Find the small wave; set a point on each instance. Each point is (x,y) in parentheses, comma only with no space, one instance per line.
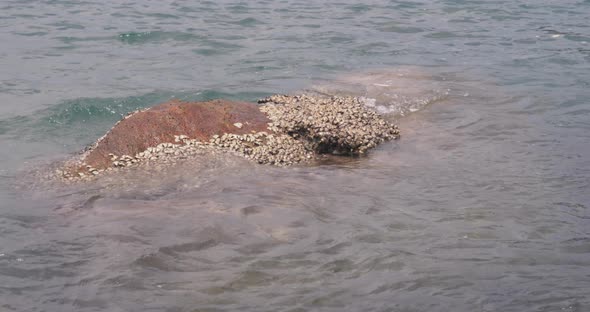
(249,22)
(402,29)
(359,8)
(156,36)
(395,92)
(400,105)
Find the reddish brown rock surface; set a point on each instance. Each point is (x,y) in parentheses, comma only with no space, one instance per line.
(159,124)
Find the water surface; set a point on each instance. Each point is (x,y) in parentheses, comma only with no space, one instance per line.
(482,205)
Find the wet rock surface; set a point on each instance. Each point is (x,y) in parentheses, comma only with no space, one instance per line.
(282,130)
(160,124)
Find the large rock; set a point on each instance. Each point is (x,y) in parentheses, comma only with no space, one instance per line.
(159,124)
(283,130)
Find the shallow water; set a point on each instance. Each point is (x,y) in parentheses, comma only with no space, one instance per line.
(483,204)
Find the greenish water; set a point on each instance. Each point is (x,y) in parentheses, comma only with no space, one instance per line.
(482,205)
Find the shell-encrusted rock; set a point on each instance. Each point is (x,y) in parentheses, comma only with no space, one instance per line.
(148,128)
(285,130)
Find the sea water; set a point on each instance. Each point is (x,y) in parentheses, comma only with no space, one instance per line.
(482,205)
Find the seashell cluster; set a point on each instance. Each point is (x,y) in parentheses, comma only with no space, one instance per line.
(264,148)
(338,125)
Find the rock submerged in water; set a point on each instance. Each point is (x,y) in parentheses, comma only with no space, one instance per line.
(282,130)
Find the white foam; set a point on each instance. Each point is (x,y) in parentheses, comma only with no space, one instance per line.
(370,102)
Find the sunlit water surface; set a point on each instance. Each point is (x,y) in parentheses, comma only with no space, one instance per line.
(483,205)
